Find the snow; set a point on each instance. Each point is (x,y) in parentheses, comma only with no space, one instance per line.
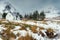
(2,28)
(19,21)
(37,37)
(43,31)
(49,24)
(31,23)
(17,27)
(1,39)
(37,29)
(21,32)
(50,11)
(58,39)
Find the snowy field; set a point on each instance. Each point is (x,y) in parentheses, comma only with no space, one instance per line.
(29,30)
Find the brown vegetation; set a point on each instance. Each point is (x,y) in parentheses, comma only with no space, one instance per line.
(41,28)
(50,33)
(27,37)
(33,29)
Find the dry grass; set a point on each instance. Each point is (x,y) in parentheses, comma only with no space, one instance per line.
(22,28)
(33,29)
(7,34)
(50,30)
(50,33)
(41,28)
(27,37)
(11,25)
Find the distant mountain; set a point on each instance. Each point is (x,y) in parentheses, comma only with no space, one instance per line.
(56,18)
(3,5)
(51,11)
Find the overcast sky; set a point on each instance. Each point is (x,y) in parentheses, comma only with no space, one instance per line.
(26,6)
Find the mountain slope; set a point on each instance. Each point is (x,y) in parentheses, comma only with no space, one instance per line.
(51,11)
(3,4)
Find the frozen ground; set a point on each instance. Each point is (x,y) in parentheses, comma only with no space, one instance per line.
(48,24)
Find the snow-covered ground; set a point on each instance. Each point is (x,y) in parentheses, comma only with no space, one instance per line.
(48,24)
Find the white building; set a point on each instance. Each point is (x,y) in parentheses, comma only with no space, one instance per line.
(12,16)
(9,16)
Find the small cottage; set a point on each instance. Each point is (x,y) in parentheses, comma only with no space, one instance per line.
(12,16)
